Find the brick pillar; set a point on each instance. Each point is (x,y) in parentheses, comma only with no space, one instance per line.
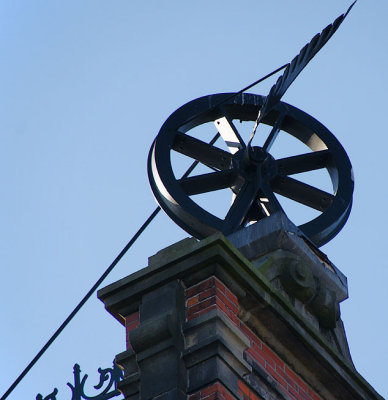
(204,322)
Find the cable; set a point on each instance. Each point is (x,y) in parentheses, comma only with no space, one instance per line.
(95,286)
(121,254)
(240,91)
(81,303)
(253,84)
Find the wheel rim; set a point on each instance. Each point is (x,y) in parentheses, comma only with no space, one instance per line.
(254,175)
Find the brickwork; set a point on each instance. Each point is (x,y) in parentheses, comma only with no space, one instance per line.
(212,293)
(132,321)
(216,391)
(197,340)
(246,393)
(208,295)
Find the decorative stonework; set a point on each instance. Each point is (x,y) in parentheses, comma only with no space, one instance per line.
(296,279)
(299,272)
(203,321)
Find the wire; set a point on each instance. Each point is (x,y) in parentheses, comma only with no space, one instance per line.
(95,286)
(233,95)
(81,303)
(122,253)
(253,84)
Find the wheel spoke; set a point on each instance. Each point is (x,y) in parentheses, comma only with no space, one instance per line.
(240,207)
(268,200)
(303,162)
(274,133)
(256,211)
(229,133)
(302,193)
(208,182)
(265,204)
(201,151)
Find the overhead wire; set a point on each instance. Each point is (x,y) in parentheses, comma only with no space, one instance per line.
(123,251)
(81,303)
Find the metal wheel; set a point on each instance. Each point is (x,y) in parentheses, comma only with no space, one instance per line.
(252,175)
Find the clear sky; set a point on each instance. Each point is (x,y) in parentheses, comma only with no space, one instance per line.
(85,87)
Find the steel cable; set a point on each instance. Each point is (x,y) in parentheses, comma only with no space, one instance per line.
(121,254)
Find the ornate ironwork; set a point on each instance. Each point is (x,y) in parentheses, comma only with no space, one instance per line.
(298,64)
(51,396)
(110,376)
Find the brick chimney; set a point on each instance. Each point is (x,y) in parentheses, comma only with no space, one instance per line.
(254,316)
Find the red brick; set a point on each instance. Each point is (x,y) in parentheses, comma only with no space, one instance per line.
(206,310)
(200,310)
(276,376)
(271,357)
(267,356)
(195,315)
(128,328)
(224,393)
(208,390)
(289,380)
(303,395)
(249,333)
(232,297)
(192,300)
(132,317)
(215,391)
(243,388)
(219,285)
(227,396)
(206,284)
(195,396)
(293,392)
(233,317)
(256,357)
(227,312)
(132,326)
(202,297)
(192,291)
(208,302)
(207,293)
(296,379)
(220,304)
(200,287)
(253,396)
(202,305)
(246,392)
(194,309)
(227,302)
(257,345)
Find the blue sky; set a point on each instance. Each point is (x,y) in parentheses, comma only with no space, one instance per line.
(85,87)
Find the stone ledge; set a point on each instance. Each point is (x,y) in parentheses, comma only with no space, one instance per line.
(263,308)
(211,330)
(129,386)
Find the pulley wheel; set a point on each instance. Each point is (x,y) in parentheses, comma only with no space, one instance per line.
(254,179)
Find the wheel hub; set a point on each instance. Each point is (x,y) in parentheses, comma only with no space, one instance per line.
(254,163)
